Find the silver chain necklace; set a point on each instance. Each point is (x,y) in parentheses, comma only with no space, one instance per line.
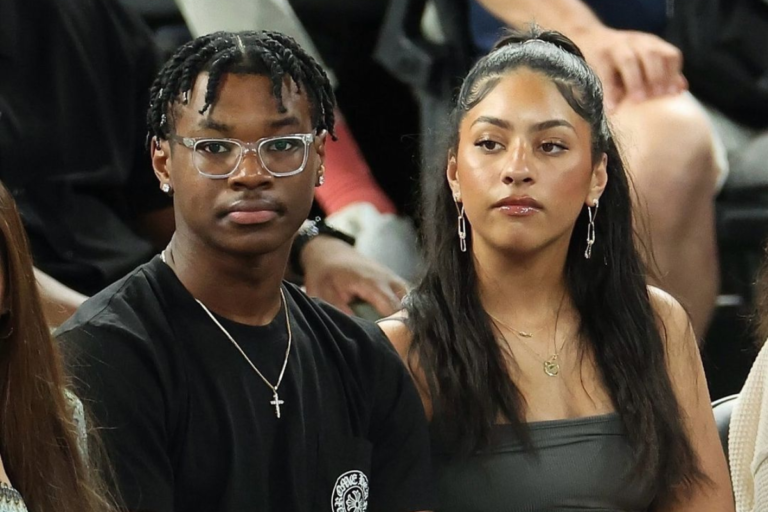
(276,402)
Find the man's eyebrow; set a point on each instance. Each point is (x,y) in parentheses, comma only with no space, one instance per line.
(501,123)
(284,121)
(211,124)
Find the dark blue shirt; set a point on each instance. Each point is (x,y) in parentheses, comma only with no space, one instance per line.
(642,15)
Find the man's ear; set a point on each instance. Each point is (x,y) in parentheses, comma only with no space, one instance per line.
(319,142)
(161,152)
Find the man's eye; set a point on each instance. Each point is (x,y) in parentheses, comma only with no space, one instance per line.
(215,148)
(281,145)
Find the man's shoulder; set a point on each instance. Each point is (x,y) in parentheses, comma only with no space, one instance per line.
(347,332)
(125,308)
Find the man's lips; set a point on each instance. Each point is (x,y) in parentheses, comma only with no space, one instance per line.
(257,211)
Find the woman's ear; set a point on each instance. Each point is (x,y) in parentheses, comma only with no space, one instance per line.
(599,180)
(452,174)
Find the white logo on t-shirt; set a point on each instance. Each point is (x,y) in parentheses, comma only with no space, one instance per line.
(350,493)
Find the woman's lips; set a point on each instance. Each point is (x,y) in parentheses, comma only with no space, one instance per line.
(518,210)
(522,206)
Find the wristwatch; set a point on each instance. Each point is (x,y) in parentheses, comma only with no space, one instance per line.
(308,231)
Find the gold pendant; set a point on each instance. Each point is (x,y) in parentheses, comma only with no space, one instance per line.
(551,366)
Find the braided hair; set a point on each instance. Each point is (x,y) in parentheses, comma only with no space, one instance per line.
(252,52)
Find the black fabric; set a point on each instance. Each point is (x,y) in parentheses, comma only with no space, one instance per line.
(73,97)
(189,426)
(724,45)
(584,464)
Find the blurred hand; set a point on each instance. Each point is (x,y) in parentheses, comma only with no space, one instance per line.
(337,273)
(633,66)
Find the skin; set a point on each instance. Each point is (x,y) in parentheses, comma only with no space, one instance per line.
(642,77)
(244,262)
(520,261)
(633,66)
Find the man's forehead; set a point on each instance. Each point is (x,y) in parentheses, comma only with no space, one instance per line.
(211,122)
(241,97)
(246,81)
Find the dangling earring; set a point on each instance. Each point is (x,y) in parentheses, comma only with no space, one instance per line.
(320,180)
(462,231)
(462,225)
(591,230)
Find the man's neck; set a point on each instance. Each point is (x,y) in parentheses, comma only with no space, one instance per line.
(241,288)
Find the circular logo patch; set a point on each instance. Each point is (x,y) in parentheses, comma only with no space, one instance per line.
(350,493)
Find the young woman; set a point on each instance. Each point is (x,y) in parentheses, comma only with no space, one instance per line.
(555,378)
(43,462)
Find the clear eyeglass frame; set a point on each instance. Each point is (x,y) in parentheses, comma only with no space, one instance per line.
(255,147)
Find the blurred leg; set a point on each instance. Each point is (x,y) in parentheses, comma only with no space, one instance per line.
(668,147)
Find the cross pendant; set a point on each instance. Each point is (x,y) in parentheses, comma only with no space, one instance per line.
(277,403)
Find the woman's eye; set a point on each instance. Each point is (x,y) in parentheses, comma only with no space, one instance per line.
(552,147)
(488,145)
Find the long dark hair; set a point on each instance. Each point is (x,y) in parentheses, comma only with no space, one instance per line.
(39,441)
(453,337)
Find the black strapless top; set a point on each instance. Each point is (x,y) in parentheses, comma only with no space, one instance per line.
(577,464)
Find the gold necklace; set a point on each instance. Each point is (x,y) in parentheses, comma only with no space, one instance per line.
(276,402)
(551,365)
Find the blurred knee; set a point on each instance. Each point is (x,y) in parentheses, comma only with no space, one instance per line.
(671,157)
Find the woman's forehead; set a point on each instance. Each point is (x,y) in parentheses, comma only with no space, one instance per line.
(523,96)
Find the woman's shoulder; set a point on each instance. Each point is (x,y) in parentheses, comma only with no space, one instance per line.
(396,329)
(672,318)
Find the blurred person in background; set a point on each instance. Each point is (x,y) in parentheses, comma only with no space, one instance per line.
(44,446)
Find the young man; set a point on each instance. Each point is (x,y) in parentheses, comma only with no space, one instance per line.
(217,386)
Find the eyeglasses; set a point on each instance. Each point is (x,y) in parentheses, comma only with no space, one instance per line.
(280,156)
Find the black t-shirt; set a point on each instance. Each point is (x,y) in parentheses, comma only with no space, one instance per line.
(189,425)
(73,100)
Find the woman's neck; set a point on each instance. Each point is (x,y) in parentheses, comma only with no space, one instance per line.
(523,290)
(245,289)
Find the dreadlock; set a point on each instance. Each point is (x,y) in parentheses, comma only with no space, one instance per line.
(253,52)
